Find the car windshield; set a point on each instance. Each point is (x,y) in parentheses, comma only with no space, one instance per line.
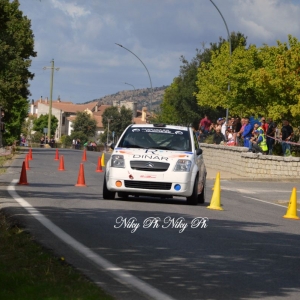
(156,138)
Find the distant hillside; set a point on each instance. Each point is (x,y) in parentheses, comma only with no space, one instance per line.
(141,96)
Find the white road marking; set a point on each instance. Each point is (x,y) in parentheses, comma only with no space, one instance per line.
(266,202)
(256,191)
(118,273)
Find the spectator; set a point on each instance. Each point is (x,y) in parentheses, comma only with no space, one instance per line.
(23,141)
(238,124)
(247,132)
(253,139)
(93,146)
(42,142)
(256,126)
(218,137)
(236,130)
(205,124)
(52,142)
(222,125)
(264,125)
(224,128)
(77,146)
(231,124)
(271,131)
(230,138)
(286,134)
(201,136)
(219,123)
(259,144)
(212,128)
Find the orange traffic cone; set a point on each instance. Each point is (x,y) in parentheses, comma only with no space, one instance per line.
(291,212)
(23,176)
(27,162)
(30,154)
(99,166)
(56,155)
(84,155)
(61,164)
(81,180)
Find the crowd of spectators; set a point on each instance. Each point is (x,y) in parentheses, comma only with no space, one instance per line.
(90,146)
(259,136)
(46,141)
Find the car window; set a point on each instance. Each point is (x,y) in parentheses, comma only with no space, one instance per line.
(156,138)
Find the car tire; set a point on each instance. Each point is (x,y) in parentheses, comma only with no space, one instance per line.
(201,197)
(106,193)
(193,199)
(123,195)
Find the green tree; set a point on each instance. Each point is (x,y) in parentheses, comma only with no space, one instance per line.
(27,126)
(42,122)
(16,48)
(213,78)
(118,121)
(180,105)
(263,80)
(279,79)
(78,135)
(85,123)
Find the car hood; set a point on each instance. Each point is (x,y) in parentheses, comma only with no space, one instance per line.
(152,154)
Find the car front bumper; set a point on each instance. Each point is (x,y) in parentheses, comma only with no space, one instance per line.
(152,183)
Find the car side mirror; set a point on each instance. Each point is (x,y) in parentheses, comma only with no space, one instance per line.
(199,152)
(112,146)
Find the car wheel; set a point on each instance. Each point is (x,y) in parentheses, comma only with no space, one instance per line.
(201,197)
(193,199)
(106,193)
(123,195)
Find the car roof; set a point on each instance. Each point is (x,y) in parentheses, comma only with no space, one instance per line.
(165,126)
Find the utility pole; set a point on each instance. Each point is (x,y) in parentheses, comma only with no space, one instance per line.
(50,100)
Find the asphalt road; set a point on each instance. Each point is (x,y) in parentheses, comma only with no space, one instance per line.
(247,251)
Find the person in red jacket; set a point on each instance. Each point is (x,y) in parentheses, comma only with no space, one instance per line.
(204,124)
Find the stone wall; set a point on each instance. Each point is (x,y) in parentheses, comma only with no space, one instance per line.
(239,161)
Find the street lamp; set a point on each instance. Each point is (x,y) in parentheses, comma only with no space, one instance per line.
(146,70)
(229,41)
(132,86)
(108,120)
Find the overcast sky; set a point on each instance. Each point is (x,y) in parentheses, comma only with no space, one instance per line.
(80,36)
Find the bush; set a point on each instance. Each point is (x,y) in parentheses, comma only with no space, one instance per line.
(66,141)
(79,135)
(36,138)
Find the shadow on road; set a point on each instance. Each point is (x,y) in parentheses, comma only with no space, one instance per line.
(226,260)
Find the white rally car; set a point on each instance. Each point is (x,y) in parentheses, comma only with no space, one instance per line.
(156,160)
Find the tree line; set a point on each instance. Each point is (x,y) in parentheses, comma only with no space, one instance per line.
(263,81)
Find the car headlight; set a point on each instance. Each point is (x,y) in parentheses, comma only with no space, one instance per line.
(183,165)
(117,161)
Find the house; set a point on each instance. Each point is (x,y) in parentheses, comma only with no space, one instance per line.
(65,112)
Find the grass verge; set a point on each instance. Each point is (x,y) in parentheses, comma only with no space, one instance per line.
(28,271)
(3,160)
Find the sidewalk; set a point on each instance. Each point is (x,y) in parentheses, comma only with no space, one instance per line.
(224,175)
